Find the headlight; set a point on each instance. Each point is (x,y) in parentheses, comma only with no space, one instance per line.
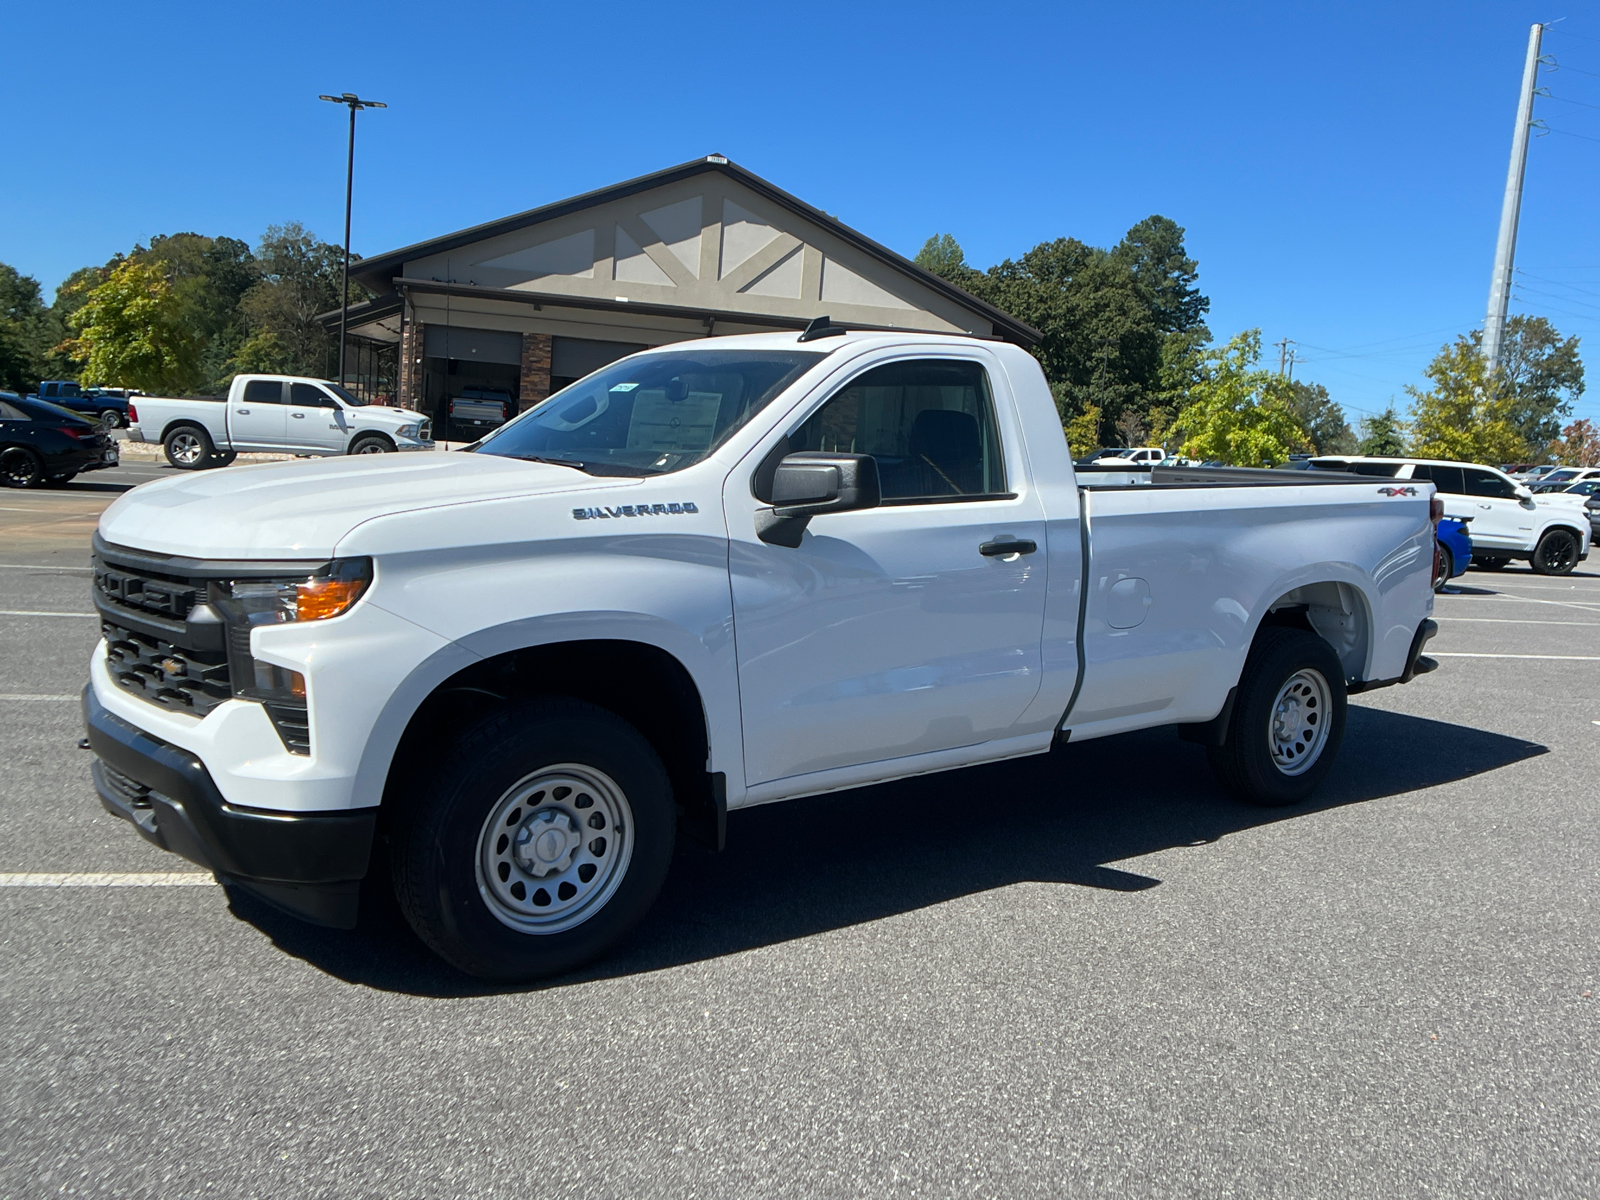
(316,597)
(407,431)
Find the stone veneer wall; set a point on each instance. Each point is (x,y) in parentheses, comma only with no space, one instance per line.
(412,340)
(535,370)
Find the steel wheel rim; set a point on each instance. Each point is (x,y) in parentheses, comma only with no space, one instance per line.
(185,448)
(1297,728)
(562,837)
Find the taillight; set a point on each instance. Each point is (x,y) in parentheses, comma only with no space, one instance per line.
(1435,508)
(133,414)
(69,431)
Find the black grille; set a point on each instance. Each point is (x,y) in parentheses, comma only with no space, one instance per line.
(192,681)
(130,791)
(143,592)
(293,726)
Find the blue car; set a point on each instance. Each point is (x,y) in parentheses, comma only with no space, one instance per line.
(1455,551)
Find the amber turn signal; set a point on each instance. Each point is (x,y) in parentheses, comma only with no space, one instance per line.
(319,599)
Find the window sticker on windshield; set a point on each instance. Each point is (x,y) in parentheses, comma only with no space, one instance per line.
(624,387)
(685,425)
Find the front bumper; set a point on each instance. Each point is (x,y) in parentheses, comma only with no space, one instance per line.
(412,444)
(309,864)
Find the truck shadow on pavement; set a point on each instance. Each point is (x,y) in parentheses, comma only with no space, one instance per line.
(808,866)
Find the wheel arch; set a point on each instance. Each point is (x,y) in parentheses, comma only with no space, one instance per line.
(639,681)
(186,423)
(1337,611)
(366,434)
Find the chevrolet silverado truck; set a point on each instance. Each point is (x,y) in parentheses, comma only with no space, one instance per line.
(277,413)
(712,575)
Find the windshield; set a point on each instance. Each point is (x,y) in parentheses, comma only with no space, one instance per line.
(349,398)
(651,413)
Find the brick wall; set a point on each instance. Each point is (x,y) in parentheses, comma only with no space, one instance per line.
(411,343)
(535,370)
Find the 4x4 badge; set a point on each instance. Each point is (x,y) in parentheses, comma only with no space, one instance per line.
(1397,491)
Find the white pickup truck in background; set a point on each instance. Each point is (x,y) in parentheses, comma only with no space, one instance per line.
(279,413)
(712,575)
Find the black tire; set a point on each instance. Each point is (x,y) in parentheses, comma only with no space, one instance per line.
(1246,763)
(224,457)
(20,468)
(1447,568)
(371,443)
(188,447)
(110,418)
(1557,553)
(1489,564)
(442,832)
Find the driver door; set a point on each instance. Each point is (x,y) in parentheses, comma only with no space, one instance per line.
(887,632)
(315,421)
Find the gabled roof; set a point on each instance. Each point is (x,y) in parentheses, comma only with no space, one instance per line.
(378,272)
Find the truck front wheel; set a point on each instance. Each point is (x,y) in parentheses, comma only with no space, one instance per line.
(188,447)
(540,841)
(1288,720)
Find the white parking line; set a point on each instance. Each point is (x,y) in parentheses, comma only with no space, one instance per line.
(101,880)
(1519,621)
(33,696)
(36,567)
(1551,658)
(22,612)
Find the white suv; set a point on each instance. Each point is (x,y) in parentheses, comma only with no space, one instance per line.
(1507,520)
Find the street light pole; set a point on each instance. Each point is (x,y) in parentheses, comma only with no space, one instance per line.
(355,103)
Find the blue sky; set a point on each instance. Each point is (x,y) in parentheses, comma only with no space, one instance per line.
(1338,167)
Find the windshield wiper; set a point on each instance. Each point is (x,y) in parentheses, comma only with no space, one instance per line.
(588,468)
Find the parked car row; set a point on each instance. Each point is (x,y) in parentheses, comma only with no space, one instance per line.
(1551,532)
(44,443)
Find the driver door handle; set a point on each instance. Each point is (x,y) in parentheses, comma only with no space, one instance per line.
(1000,549)
(298,416)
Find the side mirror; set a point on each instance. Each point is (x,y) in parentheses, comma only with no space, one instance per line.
(1525,494)
(809,484)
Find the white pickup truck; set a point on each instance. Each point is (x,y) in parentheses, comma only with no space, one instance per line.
(280,413)
(708,576)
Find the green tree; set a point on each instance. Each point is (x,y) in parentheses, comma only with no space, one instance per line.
(300,278)
(1383,435)
(1463,417)
(133,332)
(943,255)
(1321,418)
(26,331)
(1239,412)
(1083,431)
(1540,373)
(1106,316)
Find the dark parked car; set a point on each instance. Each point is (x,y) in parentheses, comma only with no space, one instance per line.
(109,406)
(44,443)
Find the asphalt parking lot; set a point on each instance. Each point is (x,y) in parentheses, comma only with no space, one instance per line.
(1083,974)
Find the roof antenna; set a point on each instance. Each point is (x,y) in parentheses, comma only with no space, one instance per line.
(822,327)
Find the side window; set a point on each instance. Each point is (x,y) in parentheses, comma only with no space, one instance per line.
(306,395)
(11,413)
(929,423)
(1446,479)
(1482,483)
(263,391)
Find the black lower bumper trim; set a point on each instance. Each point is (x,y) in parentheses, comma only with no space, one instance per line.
(308,864)
(1417,663)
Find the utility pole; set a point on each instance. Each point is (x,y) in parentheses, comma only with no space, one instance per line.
(1285,356)
(1505,251)
(356,104)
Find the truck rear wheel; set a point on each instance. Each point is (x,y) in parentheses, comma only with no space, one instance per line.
(1288,720)
(188,447)
(540,842)
(1557,553)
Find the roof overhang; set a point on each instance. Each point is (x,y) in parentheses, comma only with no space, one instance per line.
(378,272)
